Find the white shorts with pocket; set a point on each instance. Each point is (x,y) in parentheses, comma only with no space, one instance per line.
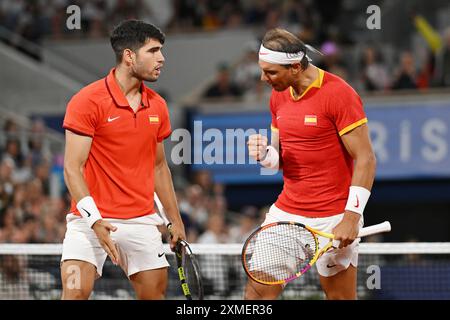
(138,241)
(332,261)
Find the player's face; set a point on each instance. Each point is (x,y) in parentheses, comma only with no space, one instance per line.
(148,61)
(279,77)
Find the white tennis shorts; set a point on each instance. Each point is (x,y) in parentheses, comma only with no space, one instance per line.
(138,241)
(334,260)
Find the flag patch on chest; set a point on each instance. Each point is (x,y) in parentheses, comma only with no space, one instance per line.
(153,119)
(310,120)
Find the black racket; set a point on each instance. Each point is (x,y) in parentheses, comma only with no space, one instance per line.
(187,266)
(188,272)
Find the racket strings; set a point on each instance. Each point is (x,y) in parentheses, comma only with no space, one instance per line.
(279,252)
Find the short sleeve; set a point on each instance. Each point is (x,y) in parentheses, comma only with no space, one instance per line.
(347,110)
(81,116)
(164,128)
(273,113)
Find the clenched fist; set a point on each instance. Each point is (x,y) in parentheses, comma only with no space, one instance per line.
(257,146)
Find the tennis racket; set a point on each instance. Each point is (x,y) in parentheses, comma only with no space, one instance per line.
(280,252)
(187,265)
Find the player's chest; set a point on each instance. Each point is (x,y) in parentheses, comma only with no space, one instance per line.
(119,124)
(303,120)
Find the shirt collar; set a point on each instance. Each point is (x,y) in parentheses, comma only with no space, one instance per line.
(317,83)
(117,94)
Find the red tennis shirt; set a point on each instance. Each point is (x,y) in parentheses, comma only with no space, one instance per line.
(119,171)
(317,169)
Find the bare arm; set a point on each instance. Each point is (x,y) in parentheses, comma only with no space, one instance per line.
(75,157)
(357,143)
(166,193)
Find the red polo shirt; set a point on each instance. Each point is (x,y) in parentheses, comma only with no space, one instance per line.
(317,169)
(119,171)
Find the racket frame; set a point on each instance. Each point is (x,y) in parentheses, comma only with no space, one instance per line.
(382,227)
(179,257)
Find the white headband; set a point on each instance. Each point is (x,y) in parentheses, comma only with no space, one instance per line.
(278,57)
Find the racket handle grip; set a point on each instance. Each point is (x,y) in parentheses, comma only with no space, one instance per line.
(376,228)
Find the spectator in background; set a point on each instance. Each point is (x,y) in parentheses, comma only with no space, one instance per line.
(248,221)
(223,86)
(331,61)
(31,229)
(18,203)
(218,205)
(13,152)
(425,77)
(10,129)
(216,230)
(444,62)
(11,230)
(35,197)
(6,184)
(203,179)
(247,73)
(14,278)
(42,173)
(194,205)
(94,13)
(374,71)
(405,77)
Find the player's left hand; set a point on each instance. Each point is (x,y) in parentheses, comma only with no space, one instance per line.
(347,230)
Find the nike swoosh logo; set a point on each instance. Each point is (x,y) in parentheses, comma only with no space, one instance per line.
(160,254)
(357,202)
(88,213)
(278,117)
(331,266)
(112,119)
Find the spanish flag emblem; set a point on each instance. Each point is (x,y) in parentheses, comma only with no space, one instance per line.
(310,120)
(153,119)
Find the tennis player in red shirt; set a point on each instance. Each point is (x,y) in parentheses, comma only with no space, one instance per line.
(320,139)
(114,162)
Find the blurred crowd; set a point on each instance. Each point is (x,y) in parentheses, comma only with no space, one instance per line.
(372,73)
(367,67)
(34,201)
(207,217)
(31,210)
(35,19)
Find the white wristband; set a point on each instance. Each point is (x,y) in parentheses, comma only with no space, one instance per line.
(272,158)
(88,210)
(357,199)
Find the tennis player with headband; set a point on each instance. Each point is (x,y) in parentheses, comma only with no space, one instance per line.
(320,140)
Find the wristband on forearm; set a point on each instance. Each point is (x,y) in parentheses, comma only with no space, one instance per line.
(357,199)
(88,210)
(271,159)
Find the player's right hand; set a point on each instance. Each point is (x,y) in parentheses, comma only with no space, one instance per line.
(177,233)
(102,229)
(257,146)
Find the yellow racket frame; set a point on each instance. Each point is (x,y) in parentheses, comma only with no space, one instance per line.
(319,251)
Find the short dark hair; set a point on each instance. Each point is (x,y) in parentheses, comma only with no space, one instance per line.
(132,34)
(282,40)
